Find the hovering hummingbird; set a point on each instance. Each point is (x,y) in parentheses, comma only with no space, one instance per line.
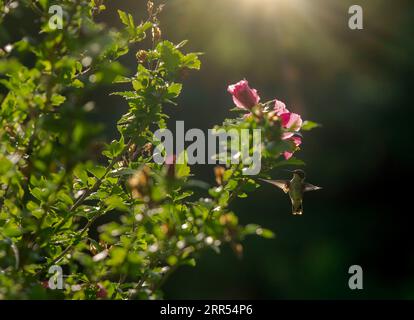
(295,188)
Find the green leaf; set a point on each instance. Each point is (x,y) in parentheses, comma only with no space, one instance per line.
(189,262)
(140,31)
(126,94)
(291,162)
(265,233)
(258,230)
(182,195)
(250,186)
(57,100)
(115,202)
(64,197)
(81,174)
(274,148)
(44,4)
(182,170)
(122,172)
(136,33)
(98,171)
(118,256)
(10,229)
(172,260)
(121,79)
(191,61)
(124,17)
(137,85)
(170,56)
(174,90)
(40,193)
(5,165)
(231,185)
(215,191)
(227,174)
(309,125)
(77,84)
(114,149)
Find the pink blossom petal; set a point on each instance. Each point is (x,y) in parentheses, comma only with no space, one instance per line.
(295,122)
(238,103)
(287,135)
(297,140)
(291,121)
(232,89)
(285,118)
(243,96)
(280,108)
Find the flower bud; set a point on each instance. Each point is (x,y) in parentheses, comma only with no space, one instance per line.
(243,96)
(142,56)
(226,219)
(147,149)
(132,148)
(156,34)
(101,293)
(150,7)
(93,249)
(139,183)
(219,173)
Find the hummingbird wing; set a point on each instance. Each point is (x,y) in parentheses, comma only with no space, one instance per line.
(310,187)
(281,184)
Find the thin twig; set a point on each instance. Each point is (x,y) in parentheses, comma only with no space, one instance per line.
(79,202)
(94,188)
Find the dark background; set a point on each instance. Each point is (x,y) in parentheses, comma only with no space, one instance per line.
(358,85)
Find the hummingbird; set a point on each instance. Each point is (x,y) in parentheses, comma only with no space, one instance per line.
(295,188)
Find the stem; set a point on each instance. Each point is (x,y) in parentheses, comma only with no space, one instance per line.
(78,203)
(94,188)
(66,250)
(233,194)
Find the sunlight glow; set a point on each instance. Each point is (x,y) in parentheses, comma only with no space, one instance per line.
(272,8)
(261,3)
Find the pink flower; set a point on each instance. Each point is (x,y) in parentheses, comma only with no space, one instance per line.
(280,108)
(243,96)
(297,141)
(290,120)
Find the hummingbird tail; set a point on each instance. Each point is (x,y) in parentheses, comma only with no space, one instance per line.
(298,210)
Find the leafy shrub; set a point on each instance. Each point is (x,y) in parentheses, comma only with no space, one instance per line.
(120,226)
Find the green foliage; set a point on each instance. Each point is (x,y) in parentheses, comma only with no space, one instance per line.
(309,125)
(121,227)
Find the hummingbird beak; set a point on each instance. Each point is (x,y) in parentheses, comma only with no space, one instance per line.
(290,171)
